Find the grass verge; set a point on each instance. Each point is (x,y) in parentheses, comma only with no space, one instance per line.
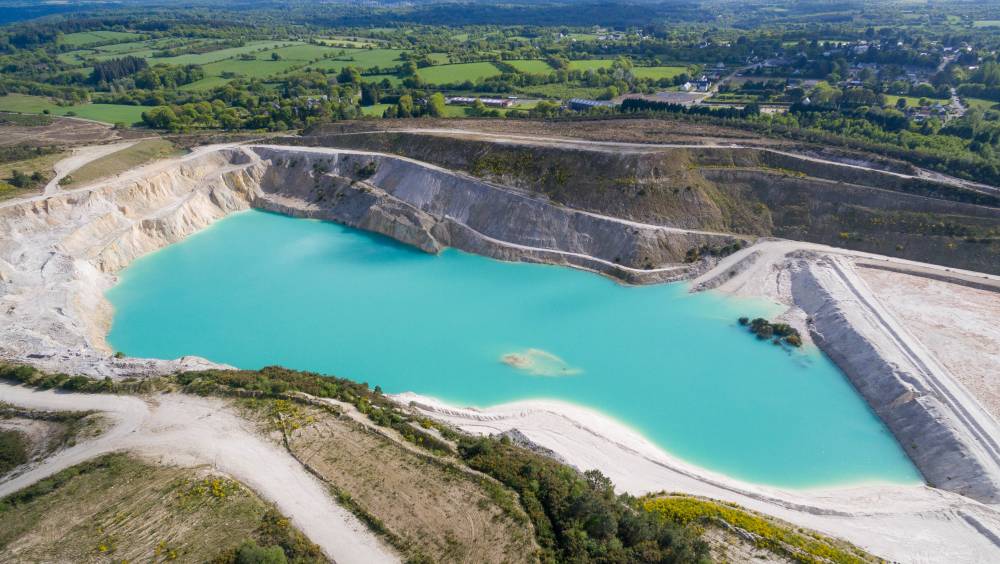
(141,153)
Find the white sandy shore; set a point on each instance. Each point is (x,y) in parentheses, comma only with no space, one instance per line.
(189,430)
(904,523)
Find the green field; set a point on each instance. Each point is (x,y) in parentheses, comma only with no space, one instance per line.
(456,111)
(393,79)
(986,23)
(207,83)
(531,66)
(439,58)
(356,43)
(590,64)
(91,37)
(262,68)
(580,37)
(108,113)
(362,59)
(375,110)
(451,74)
(658,73)
(911,101)
(303,52)
(980,103)
(221,54)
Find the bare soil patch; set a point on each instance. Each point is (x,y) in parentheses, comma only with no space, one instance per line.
(61,131)
(957,323)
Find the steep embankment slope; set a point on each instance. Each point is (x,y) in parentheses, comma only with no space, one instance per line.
(58,254)
(727,188)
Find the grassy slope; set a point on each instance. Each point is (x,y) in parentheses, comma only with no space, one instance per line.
(362,59)
(447,74)
(448,515)
(220,54)
(122,509)
(139,154)
(91,37)
(531,66)
(658,73)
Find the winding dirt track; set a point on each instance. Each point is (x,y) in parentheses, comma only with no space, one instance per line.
(188,430)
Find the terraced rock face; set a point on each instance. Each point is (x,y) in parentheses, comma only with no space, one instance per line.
(744,190)
(58,254)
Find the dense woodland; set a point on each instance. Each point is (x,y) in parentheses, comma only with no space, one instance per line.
(881,77)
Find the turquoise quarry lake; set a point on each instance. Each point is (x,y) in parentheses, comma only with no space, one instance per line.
(260,289)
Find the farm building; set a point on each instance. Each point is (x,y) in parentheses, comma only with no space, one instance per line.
(581,104)
(490,102)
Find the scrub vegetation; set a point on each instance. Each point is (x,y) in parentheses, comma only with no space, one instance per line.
(778,537)
(13,450)
(777,332)
(117,508)
(28,435)
(25,168)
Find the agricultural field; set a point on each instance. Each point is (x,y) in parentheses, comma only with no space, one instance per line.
(352,42)
(453,74)
(375,110)
(439,58)
(580,36)
(85,38)
(981,104)
(590,64)
(361,59)
(207,83)
(304,52)
(456,111)
(262,67)
(658,73)
(107,113)
(531,66)
(912,101)
(393,79)
(221,54)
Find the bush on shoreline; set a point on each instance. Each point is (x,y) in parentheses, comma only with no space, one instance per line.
(765,329)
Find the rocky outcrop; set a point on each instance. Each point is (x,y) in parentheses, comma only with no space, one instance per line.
(59,254)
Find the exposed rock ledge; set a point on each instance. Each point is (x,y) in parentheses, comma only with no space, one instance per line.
(59,254)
